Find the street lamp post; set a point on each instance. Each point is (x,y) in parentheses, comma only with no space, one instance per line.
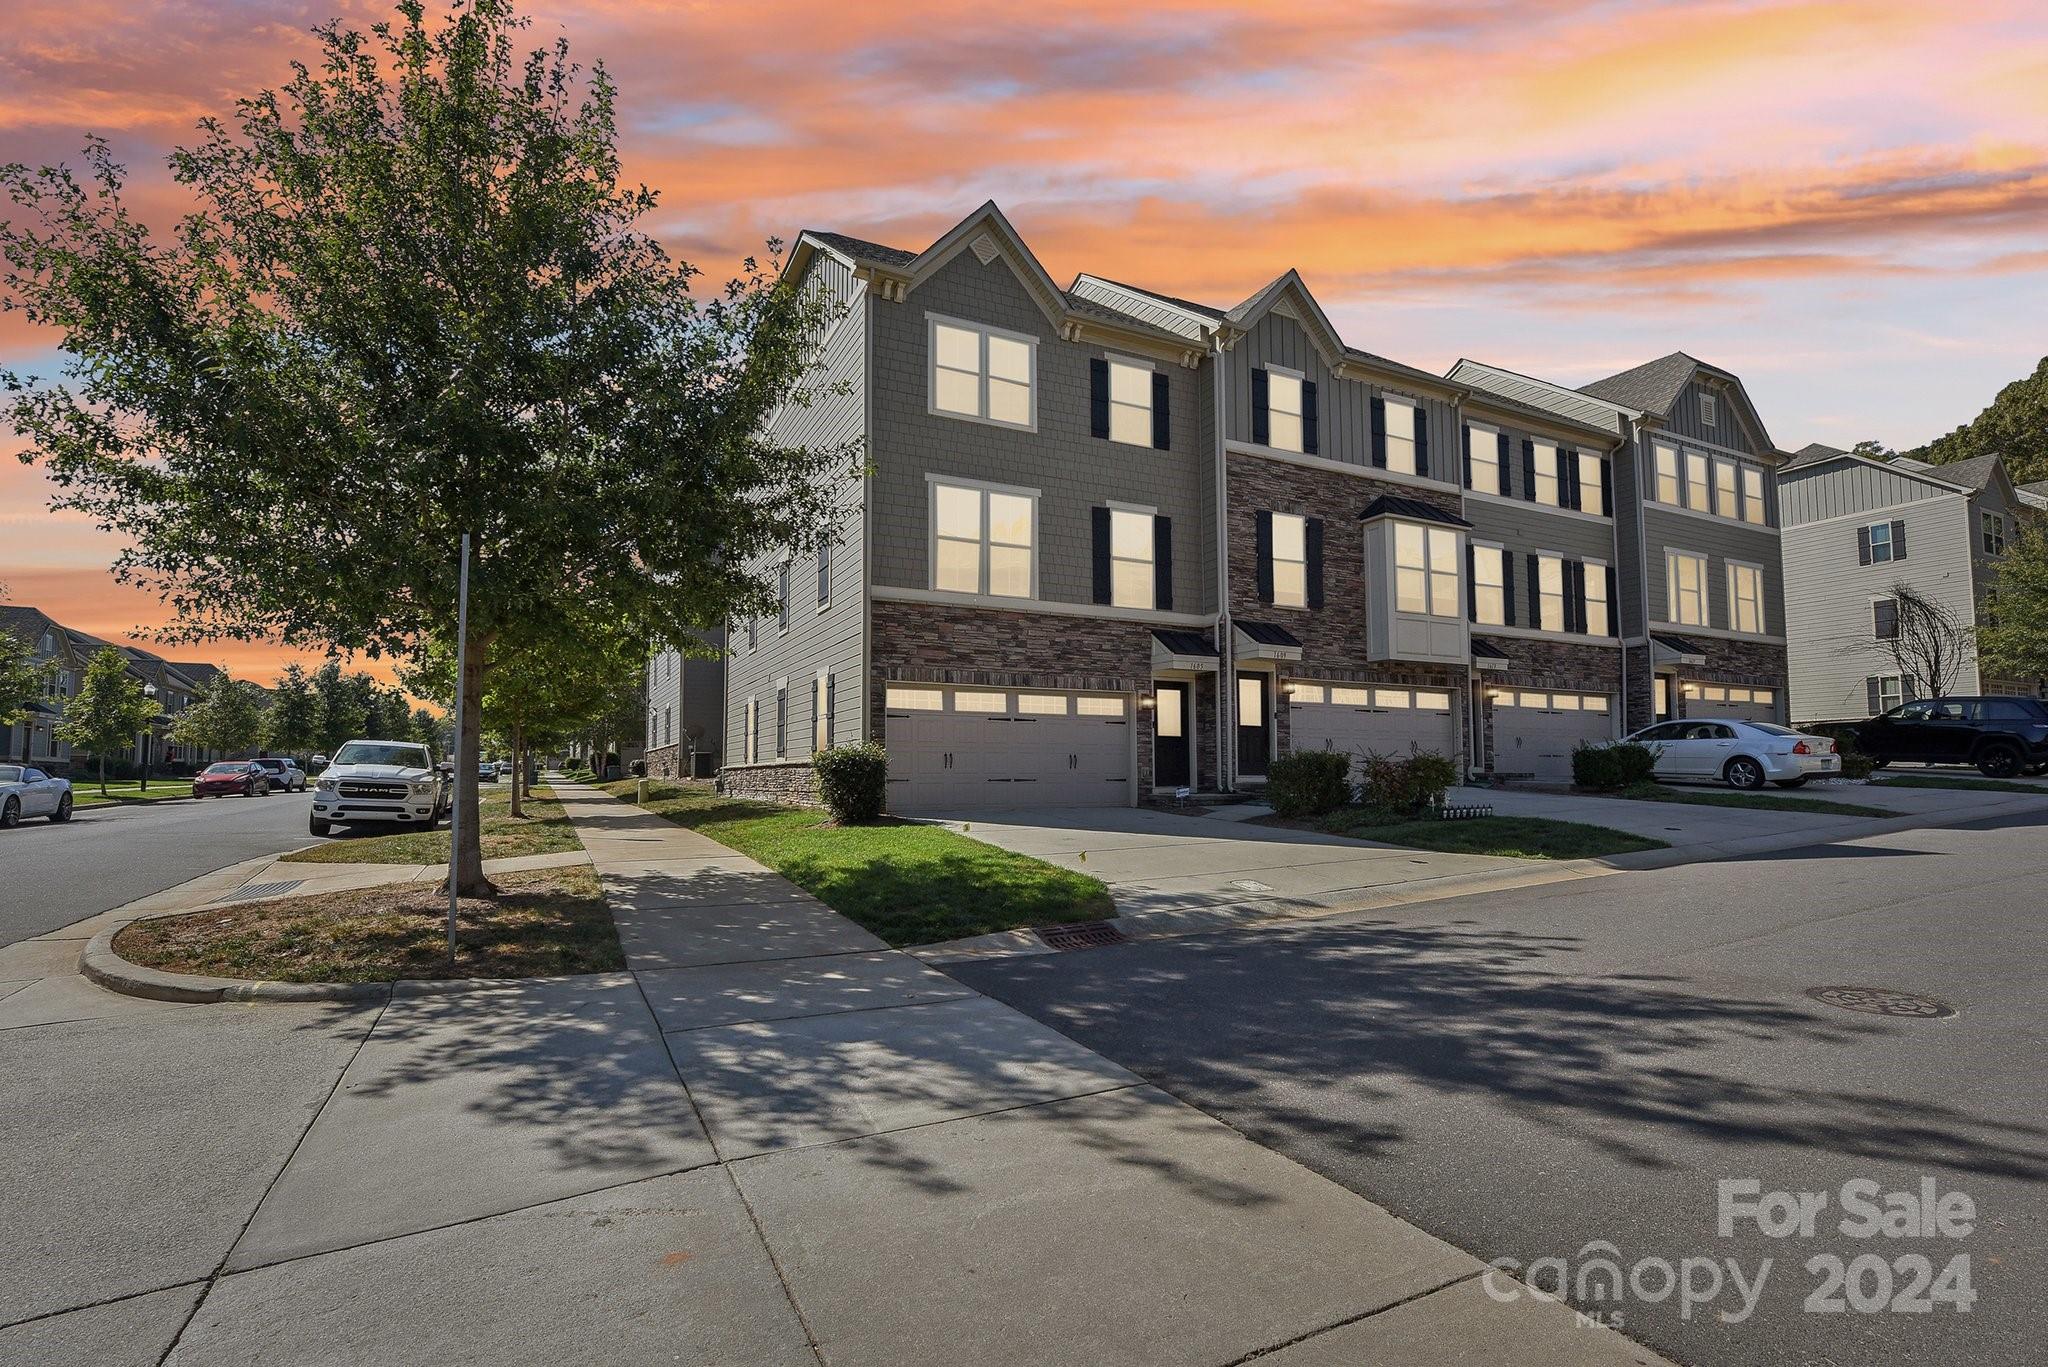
(148,735)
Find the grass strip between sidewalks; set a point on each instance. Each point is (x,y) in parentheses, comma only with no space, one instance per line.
(545,829)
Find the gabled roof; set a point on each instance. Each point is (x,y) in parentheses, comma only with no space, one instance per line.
(861,250)
(1540,396)
(1286,286)
(1414,509)
(1651,387)
(1813,453)
(26,622)
(1977,473)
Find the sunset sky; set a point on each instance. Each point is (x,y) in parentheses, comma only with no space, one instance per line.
(1842,202)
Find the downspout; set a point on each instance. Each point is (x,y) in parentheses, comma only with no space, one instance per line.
(1641,431)
(1226,690)
(1635,484)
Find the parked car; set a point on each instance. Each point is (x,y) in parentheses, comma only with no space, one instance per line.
(285,773)
(27,791)
(2001,736)
(244,776)
(316,763)
(487,772)
(1743,754)
(380,781)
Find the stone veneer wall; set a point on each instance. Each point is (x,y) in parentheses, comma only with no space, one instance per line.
(1561,666)
(1751,664)
(664,761)
(790,782)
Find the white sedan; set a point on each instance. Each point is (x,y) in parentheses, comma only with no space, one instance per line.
(27,791)
(1743,754)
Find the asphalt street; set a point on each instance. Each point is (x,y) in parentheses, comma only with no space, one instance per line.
(103,857)
(1530,1073)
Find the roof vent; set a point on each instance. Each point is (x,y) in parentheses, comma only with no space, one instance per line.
(1707,406)
(985,248)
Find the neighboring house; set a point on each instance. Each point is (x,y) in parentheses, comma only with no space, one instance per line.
(1855,529)
(685,693)
(68,650)
(1110,544)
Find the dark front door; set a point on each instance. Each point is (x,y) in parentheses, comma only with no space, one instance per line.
(1170,739)
(1254,725)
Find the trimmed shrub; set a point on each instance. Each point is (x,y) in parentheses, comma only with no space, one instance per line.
(1405,786)
(1309,782)
(1855,764)
(1611,768)
(853,781)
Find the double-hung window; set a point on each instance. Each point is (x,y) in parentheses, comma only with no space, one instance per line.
(1425,570)
(1882,551)
(1753,496)
(1592,482)
(1891,692)
(1401,418)
(1484,443)
(984,540)
(782,598)
(1727,496)
(1597,622)
(983,373)
(1545,489)
(1668,488)
(1698,494)
(1290,560)
(1130,403)
(1132,582)
(1283,410)
(1685,577)
(1745,598)
(1884,619)
(1550,592)
(825,570)
(1489,586)
(1993,525)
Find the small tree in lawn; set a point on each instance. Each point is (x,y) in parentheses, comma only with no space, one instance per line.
(2012,638)
(293,724)
(1928,643)
(412,302)
(227,716)
(107,712)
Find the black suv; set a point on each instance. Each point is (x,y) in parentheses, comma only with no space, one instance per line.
(2001,736)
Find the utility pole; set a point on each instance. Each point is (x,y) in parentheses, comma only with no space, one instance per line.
(455,805)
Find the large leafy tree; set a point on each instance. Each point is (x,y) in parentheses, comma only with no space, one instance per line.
(2012,640)
(108,712)
(227,716)
(412,302)
(293,724)
(2015,426)
(342,705)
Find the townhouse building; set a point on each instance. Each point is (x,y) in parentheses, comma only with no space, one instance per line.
(1858,532)
(64,652)
(685,712)
(1110,544)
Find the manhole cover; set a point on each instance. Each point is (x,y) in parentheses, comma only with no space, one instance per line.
(1090,935)
(249,892)
(1882,1001)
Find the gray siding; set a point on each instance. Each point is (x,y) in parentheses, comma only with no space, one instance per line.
(685,690)
(1073,471)
(828,637)
(1628,537)
(1815,493)
(1344,407)
(1720,541)
(1832,648)
(1527,527)
(1729,429)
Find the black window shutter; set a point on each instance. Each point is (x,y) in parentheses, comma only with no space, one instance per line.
(1098,397)
(1898,539)
(1500,454)
(825,570)
(1162,563)
(1871,693)
(1465,445)
(1379,431)
(1613,606)
(1262,538)
(1471,570)
(1101,517)
(1863,545)
(1507,587)
(1568,476)
(1529,469)
(1312,548)
(1421,440)
(831,706)
(1311,424)
(781,722)
(1162,434)
(1535,591)
(1262,427)
(1606,487)
(1575,596)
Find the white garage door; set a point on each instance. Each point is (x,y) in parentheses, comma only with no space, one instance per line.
(1357,720)
(955,748)
(1535,732)
(1729,703)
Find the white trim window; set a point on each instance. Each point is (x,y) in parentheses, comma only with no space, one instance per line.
(1489,586)
(1746,598)
(1546,458)
(984,540)
(1130,402)
(1993,528)
(1592,483)
(1669,490)
(1727,491)
(1891,692)
(1426,570)
(983,373)
(1484,443)
(1699,493)
(1597,623)
(1753,503)
(1283,409)
(1549,591)
(1881,549)
(1685,578)
(1401,417)
(1132,537)
(1290,560)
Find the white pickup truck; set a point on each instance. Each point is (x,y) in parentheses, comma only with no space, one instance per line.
(380,780)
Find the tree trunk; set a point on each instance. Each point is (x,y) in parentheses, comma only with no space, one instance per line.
(468,854)
(101,760)
(518,765)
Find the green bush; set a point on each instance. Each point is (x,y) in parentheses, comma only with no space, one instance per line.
(1309,782)
(1611,768)
(853,781)
(1855,764)
(1407,785)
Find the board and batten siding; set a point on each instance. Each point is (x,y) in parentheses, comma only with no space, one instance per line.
(1832,646)
(1841,488)
(1343,407)
(1073,471)
(1721,541)
(1728,431)
(830,638)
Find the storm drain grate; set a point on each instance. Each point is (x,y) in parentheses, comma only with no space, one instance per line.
(1089,935)
(252,891)
(1882,1001)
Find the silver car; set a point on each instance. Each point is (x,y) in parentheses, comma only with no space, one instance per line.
(1742,754)
(27,791)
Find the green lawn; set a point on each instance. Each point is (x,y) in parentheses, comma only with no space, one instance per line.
(543,830)
(910,884)
(1762,802)
(86,793)
(1513,837)
(1964,785)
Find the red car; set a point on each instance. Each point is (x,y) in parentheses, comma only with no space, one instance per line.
(235,776)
